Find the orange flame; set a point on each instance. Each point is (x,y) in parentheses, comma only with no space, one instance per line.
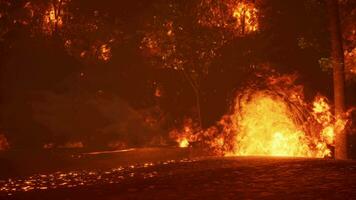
(185,136)
(273,121)
(267,127)
(52,19)
(236,16)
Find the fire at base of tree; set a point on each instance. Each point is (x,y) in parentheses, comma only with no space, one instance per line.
(270,117)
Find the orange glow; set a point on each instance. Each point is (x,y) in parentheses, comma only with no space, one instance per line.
(246,17)
(271,121)
(104,52)
(238,17)
(266,127)
(183,143)
(52,20)
(185,136)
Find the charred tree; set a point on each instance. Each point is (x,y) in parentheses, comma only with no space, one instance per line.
(337,61)
(195,86)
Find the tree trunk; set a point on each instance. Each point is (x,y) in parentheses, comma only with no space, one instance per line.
(196,90)
(337,60)
(197,95)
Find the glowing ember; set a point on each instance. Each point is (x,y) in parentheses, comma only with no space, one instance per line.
(53,17)
(72,179)
(105,52)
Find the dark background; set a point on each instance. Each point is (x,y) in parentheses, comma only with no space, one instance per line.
(51,96)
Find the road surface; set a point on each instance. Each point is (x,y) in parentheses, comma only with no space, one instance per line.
(195,178)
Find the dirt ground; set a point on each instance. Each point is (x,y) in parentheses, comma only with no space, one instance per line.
(218,178)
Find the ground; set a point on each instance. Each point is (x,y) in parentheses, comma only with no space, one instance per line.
(194,177)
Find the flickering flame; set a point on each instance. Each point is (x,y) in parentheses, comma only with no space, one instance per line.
(52,20)
(241,18)
(183,143)
(105,52)
(246,17)
(266,127)
(185,136)
(323,115)
(270,121)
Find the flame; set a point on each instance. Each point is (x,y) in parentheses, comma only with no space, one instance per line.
(246,17)
(270,119)
(266,127)
(52,20)
(183,143)
(104,52)
(350,63)
(238,17)
(323,115)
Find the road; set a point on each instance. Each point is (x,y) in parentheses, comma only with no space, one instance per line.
(201,178)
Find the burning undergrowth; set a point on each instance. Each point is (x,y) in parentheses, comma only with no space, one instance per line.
(270,117)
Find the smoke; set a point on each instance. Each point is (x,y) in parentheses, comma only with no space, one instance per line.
(95,121)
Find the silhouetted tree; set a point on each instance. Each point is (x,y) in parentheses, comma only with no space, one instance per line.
(337,61)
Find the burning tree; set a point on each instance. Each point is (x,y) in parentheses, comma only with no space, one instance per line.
(173,41)
(337,61)
(84,34)
(237,16)
(170,45)
(269,117)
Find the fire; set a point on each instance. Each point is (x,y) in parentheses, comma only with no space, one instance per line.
(185,136)
(183,143)
(52,20)
(246,17)
(270,119)
(267,127)
(104,52)
(323,115)
(239,17)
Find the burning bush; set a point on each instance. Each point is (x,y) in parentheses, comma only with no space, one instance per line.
(186,135)
(270,118)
